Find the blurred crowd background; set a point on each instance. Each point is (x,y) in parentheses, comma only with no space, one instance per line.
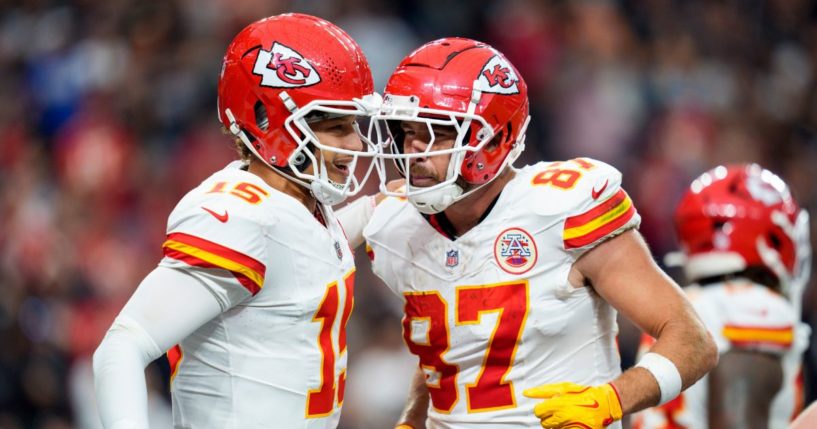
(108,116)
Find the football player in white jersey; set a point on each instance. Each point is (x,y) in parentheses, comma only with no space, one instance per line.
(511,278)
(255,288)
(746,246)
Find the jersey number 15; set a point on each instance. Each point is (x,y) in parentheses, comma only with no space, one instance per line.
(320,402)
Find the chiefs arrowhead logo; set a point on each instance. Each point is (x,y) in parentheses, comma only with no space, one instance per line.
(498,77)
(283,67)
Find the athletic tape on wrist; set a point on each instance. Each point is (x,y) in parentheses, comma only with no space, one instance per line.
(665,373)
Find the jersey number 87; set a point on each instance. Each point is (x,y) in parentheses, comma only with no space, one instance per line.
(490,391)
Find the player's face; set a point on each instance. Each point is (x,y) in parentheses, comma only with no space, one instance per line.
(340,133)
(429,170)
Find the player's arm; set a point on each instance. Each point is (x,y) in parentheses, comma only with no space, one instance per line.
(623,272)
(741,389)
(807,419)
(354,216)
(416,411)
(167,306)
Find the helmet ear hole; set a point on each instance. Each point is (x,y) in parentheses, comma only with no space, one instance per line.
(775,240)
(733,187)
(500,139)
(261,117)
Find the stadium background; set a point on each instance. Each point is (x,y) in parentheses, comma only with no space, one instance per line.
(107,117)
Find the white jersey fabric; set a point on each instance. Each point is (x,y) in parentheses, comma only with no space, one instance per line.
(275,356)
(746,316)
(491,313)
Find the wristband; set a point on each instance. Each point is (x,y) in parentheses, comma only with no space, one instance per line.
(665,373)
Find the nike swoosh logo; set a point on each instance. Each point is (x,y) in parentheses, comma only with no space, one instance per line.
(596,194)
(221,217)
(595,404)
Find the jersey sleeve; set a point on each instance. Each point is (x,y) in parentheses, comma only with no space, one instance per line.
(758,319)
(383,244)
(597,208)
(220,245)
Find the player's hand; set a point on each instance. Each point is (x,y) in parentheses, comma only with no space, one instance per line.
(570,405)
(392,186)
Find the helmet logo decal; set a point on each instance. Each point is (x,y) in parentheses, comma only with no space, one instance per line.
(515,251)
(498,77)
(762,191)
(283,67)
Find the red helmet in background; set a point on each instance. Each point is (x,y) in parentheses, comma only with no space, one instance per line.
(283,71)
(740,217)
(467,85)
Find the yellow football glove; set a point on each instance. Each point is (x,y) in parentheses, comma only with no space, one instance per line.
(570,405)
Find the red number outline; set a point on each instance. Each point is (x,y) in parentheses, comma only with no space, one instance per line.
(484,387)
(246,191)
(489,392)
(553,175)
(320,402)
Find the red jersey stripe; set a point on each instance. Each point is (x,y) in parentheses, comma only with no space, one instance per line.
(596,211)
(217,249)
(191,260)
(601,232)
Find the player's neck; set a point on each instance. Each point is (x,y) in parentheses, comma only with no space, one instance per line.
(468,213)
(281,183)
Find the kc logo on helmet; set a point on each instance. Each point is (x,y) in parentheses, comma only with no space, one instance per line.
(497,76)
(283,67)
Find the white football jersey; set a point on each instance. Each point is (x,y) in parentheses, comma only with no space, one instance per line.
(491,313)
(746,316)
(276,356)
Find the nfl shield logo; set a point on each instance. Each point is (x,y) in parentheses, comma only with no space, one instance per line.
(452,258)
(338,250)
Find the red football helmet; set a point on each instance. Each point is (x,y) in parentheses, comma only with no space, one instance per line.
(739,217)
(282,72)
(469,86)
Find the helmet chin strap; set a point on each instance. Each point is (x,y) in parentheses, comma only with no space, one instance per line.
(325,190)
(437,200)
(326,193)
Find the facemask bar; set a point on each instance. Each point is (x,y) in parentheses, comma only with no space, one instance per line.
(405,108)
(327,191)
(804,252)
(793,284)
